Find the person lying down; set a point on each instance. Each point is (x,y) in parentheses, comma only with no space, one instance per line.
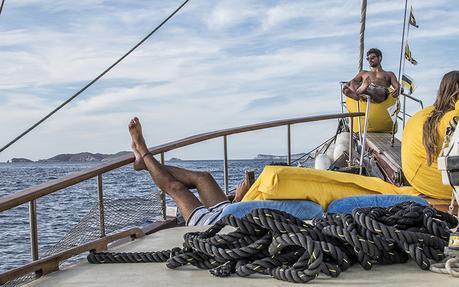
(302,192)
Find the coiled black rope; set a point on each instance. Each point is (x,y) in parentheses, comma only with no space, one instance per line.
(277,244)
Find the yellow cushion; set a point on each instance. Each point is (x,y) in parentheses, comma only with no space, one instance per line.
(426,179)
(379,119)
(320,186)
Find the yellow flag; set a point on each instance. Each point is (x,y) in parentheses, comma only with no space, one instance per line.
(408,86)
(412,19)
(408,55)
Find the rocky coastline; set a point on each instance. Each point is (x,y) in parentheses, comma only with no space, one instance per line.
(99,157)
(77,157)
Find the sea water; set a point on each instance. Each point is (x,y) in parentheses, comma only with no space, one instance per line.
(57,213)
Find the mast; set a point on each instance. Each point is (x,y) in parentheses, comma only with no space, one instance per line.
(363,16)
(402,46)
(400,64)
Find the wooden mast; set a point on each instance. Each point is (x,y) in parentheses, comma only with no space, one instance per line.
(363,16)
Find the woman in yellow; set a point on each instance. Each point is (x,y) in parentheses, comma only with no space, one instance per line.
(422,141)
(423,138)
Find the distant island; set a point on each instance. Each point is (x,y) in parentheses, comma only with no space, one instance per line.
(77,157)
(20,160)
(278,157)
(99,157)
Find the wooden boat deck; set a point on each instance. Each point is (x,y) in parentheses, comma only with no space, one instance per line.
(381,143)
(157,274)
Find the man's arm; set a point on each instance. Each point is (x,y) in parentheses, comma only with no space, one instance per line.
(358,78)
(395,84)
(350,88)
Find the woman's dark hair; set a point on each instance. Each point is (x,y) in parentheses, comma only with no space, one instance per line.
(448,95)
(375,51)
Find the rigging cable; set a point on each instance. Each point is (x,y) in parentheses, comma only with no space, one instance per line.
(95,79)
(1,6)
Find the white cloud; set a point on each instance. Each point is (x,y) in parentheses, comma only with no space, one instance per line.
(56,5)
(215,65)
(229,13)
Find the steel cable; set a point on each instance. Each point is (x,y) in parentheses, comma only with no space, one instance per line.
(1,6)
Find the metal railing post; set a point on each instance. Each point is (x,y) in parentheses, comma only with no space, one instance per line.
(351,121)
(225,163)
(289,146)
(100,193)
(341,96)
(162,194)
(365,128)
(358,122)
(33,229)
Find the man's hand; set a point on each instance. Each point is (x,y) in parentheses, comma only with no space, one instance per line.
(243,186)
(395,84)
(396,92)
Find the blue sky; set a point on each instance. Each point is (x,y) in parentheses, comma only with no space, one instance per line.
(217,64)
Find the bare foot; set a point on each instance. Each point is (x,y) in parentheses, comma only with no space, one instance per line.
(138,142)
(349,92)
(243,187)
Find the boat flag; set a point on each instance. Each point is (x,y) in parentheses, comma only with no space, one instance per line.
(408,86)
(408,55)
(393,111)
(412,19)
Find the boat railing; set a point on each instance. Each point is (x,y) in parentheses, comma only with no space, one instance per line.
(31,194)
(403,113)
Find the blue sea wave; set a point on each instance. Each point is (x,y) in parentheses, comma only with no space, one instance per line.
(59,212)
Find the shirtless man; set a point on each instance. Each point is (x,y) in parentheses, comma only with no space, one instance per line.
(374,83)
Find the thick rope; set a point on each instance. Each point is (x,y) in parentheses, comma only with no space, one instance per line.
(277,244)
(449,266)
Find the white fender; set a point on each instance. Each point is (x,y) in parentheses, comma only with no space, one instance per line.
(339,150)
(322,162)
(343,138)
(330,151)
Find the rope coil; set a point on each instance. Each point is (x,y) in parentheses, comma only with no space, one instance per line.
(276,244)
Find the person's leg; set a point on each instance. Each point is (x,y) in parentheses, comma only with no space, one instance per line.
(349,90)
(209,191)
(183,175)
(183,197)
(363,88)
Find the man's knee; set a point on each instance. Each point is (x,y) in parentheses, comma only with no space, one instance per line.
(174,186)
(204,176)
